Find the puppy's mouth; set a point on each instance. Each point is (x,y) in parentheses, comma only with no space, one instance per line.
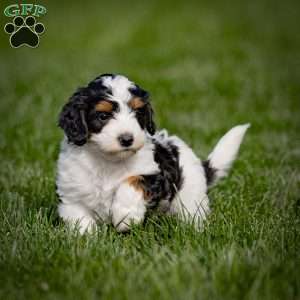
(129,150)
(125,150)
(121,154)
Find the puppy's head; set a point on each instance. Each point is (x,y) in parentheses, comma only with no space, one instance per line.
(111,113)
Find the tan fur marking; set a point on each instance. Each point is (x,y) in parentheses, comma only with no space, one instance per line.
(136,103)
(104,106)
(137,183)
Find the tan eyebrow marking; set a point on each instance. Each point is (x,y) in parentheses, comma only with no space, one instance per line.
(104,106)
(136,103)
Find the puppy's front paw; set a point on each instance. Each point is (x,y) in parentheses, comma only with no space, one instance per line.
(123,218)
(124,225)
(88,227)
(77,217)
(128,206)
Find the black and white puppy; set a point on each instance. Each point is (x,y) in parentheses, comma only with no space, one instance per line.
(114,166)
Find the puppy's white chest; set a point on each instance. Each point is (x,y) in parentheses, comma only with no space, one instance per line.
(103,182)
(101,197)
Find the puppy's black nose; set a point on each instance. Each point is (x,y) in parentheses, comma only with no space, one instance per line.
(125,139)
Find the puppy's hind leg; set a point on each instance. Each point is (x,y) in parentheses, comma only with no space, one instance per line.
(77,215)
(129,204)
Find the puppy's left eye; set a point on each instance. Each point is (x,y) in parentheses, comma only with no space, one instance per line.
(140,111)
(103,116)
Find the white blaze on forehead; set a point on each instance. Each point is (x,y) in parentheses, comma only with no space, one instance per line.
(119,86)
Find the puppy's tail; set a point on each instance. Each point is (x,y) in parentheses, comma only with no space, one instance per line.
(222,157)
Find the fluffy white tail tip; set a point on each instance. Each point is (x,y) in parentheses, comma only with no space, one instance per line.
(226,150)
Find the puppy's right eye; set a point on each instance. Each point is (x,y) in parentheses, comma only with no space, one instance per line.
(103,116)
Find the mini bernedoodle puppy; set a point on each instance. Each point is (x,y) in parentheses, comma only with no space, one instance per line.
(114,166)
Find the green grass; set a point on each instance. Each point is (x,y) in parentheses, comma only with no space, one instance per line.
(209,66)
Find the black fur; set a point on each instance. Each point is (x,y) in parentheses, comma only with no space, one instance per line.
(144,114)
(209,172)
(139,92)
(79,118)
(72,119)
(165,184)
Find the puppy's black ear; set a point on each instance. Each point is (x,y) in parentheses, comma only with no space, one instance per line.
(149,122)
(72,119)
(147,112)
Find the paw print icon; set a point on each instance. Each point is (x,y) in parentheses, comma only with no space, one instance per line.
(24,32)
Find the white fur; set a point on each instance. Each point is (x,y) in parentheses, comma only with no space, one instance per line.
(78,214)
(225,152)
(191,203)
(128,207)
(91,179)
(85,178)
(120,88)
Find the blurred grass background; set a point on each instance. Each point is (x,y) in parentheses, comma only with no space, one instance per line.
(209,65)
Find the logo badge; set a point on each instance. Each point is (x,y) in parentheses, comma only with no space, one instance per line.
(24,30)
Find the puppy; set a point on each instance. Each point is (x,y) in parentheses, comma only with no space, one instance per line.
(114,166)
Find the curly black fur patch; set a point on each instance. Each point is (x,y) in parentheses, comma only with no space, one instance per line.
(165,184)
(209,172)
(144,114)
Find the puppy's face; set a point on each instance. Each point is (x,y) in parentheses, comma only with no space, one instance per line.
(111,113)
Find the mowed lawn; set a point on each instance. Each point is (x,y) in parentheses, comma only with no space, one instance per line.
(209,66)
